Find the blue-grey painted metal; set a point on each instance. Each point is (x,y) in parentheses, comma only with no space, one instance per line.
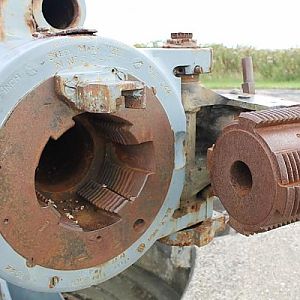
(26,63)
(4,291)
(17,293)
(21,18)
(169,59)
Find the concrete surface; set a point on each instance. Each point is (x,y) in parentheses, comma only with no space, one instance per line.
(264,267)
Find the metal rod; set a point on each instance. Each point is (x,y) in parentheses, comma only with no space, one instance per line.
(248,75)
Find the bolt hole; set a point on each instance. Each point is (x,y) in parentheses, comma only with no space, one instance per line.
(179,71)
(30,263)
(99,238)
(5,221)
(241,178)
(53,282)
(139,225)
(60,14)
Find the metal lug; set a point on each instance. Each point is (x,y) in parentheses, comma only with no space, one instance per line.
(200,235)
(104,91)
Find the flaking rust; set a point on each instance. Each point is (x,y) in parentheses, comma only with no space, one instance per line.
(84,194)
(2,20)
(93,156)
(199,235)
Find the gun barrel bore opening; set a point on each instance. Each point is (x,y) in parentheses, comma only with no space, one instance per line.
(60,14)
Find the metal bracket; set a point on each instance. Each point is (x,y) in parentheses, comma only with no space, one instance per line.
(104,91)
(200,235)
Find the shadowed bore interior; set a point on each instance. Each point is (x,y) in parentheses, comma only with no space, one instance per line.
(241,178)
(65,161)
(87,177)
(60,14)
(64,166)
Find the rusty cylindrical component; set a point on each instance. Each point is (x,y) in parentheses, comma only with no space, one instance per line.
(255,169)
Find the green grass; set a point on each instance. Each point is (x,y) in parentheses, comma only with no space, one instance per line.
(261,84)
(273,69)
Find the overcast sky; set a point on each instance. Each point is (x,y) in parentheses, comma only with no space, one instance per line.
(259,23)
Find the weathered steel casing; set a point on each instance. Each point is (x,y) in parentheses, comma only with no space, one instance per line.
(51,73)
(27,64)
(62,62)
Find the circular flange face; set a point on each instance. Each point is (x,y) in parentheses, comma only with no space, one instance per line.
(237,177)
(80,189)
(26,67)
(254,169)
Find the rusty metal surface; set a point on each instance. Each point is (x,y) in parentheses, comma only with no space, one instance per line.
(26,63)
(255,169)
(85,205)
(198,235)
(105,91)
(196,174)
(69,32)
(181,40)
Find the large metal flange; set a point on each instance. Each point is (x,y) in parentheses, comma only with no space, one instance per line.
(77,188)
(115,133)
(255,169)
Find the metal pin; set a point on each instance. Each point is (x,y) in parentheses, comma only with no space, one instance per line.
(248,75)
